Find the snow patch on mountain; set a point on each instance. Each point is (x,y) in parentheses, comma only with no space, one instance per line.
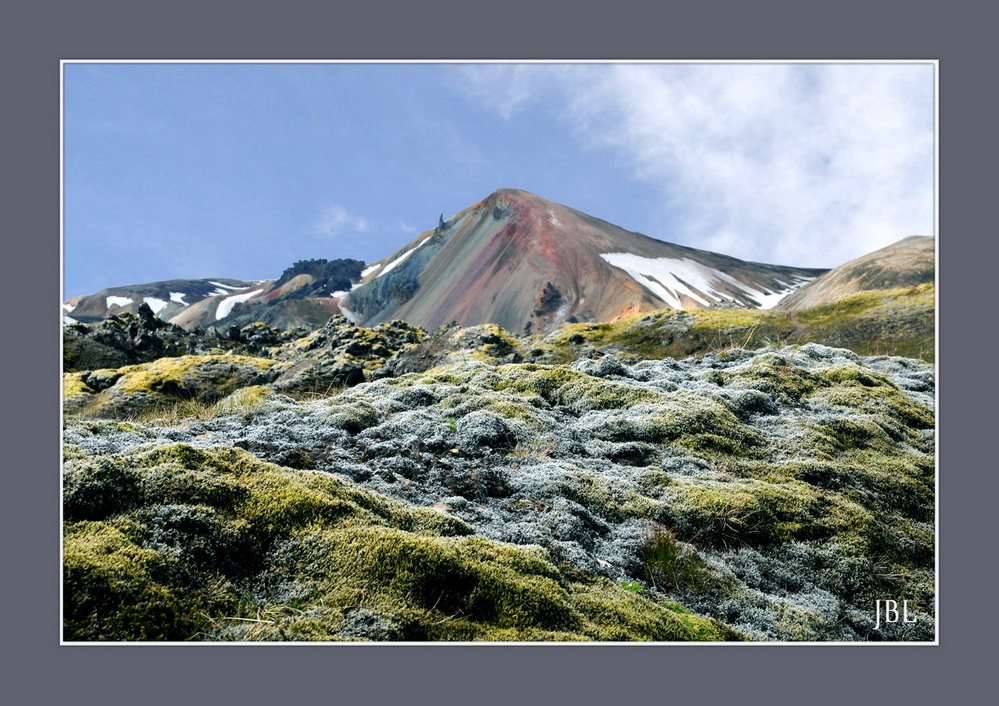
(120,301)
(157,305)
(396,262)
(226,305)
(178,297)
(668,277)
(224,286)
(769,301)
(368,270)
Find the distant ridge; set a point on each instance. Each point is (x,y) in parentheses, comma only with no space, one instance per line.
(166,299)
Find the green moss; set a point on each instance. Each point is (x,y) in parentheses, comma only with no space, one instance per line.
(496,348)
(244,401)
(653,482)
(508,406)
(777,376)
(746,511)
(673,333)
(153,388)
(607,497)
(840,374)
(842,434)
(699,331)
(854,304)
(884,402)
(115,589)
(353,417)
(575,334)
(324,547)
(883,322)
(565,386)
(96,488)
(700,425)
(73,386)
(172,375)
(606,616)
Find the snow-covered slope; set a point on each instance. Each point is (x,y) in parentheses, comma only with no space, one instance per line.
(166,299)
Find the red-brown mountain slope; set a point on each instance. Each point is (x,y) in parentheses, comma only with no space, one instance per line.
(529,264)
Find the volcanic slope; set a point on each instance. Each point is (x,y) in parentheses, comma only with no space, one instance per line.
(908,263)
(531,265)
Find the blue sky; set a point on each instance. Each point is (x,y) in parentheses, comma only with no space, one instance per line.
(237,170)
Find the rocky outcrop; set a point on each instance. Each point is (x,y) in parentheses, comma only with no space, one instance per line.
(129,365)
(128,339)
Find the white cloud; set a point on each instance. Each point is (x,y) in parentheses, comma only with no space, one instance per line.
(795,164)
(337,220)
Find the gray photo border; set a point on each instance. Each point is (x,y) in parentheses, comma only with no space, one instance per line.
(36,37)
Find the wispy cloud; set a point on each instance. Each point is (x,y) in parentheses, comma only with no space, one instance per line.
(797,164)
(337,220)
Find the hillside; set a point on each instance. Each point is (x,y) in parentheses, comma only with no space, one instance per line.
(392,484)
(908,263)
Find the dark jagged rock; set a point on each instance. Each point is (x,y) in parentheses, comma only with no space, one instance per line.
(549,300)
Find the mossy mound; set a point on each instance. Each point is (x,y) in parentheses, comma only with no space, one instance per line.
(135,390)
(669,333)
(183,544)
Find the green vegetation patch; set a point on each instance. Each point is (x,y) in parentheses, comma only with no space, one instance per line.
(883,322)
(149,388)
(668,564)
(606,497)
(353,417)
(745,511)
(560,385)
(115,589)
(191,374)
(895,412)
(698,331)
(776,375)
(508,406)
(184,544)
(861,302)
(73,386)
(672,333)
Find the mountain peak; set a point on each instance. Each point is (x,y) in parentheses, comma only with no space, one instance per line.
(529,264)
